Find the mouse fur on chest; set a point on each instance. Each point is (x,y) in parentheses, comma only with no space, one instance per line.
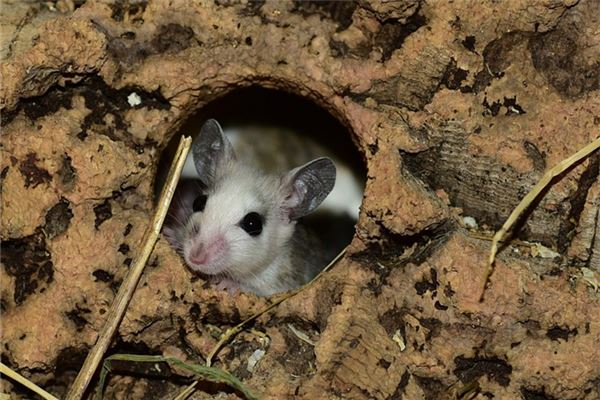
(240,226)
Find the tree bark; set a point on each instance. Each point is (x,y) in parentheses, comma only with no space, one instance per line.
(457,107)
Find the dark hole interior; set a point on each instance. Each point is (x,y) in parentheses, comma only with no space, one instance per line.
(295,116)
(259,106)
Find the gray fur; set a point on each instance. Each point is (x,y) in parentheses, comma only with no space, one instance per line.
(310,184)
(211,150)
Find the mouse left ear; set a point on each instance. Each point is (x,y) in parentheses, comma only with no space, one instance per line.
(211,150)
(307,186)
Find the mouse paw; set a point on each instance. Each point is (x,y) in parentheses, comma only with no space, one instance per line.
(231,286)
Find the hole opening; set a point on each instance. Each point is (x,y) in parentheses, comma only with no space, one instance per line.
(277,131)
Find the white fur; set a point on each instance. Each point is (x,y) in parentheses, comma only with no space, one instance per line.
(255,263)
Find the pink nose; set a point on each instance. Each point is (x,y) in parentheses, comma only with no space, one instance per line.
(198,255)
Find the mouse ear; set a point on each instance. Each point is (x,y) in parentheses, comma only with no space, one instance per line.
(211,150)
(307,186)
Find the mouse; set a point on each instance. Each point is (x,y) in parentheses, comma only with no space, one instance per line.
(242,227)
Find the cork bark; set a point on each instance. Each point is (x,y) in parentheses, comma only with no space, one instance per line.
(457,108)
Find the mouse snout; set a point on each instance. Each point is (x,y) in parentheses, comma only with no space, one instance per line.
(206,253)
(197,254)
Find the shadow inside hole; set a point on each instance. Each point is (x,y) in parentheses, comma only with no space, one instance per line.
(278,131)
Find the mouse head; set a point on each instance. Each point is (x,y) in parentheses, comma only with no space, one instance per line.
(243,220)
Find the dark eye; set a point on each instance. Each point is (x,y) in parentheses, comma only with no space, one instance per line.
(199,203)
(252,223)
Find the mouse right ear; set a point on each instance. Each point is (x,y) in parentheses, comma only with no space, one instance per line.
(211,150)
(307,186)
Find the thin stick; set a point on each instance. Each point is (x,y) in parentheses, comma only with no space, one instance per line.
(25,382)
(185,393)
(229,333)
(528,199)
(130,282)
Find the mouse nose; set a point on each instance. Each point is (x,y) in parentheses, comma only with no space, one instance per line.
(197,254)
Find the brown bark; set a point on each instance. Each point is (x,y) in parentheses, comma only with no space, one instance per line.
(458,108)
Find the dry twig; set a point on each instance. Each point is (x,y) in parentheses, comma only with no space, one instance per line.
(529,198)
(130,282)
(185,393)
(25,382)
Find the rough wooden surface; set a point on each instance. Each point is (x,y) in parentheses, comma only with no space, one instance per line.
(458,107)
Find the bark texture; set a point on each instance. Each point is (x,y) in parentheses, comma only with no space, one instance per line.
(458,108)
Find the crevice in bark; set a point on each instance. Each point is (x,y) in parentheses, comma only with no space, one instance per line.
(576,203)
(396,251)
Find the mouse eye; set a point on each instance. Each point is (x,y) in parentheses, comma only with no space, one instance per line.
(252,223)
(199,203)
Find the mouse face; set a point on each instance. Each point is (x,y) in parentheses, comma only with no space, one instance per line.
(237,222)
(236,227)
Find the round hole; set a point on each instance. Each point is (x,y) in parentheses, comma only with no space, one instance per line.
(276,132)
